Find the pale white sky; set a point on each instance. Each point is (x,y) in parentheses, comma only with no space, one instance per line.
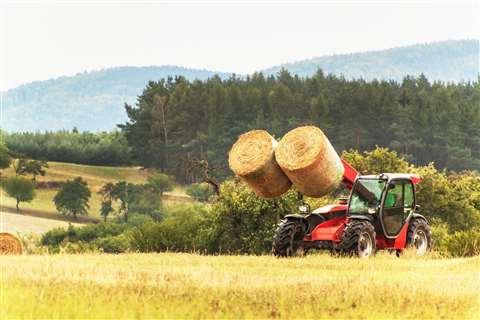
(44,39)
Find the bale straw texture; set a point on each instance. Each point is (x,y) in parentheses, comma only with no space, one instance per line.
(9,244)
(252,159)
(309,160)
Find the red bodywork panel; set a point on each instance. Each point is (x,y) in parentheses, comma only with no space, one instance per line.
(401,239)
(329,230)
(398,243)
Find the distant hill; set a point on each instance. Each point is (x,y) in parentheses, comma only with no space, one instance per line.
(94,100)
(449,61)
(89,101)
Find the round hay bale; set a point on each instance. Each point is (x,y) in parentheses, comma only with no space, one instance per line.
(9,244)
(309,160)
(252,158)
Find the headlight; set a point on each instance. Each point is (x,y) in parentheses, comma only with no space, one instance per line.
(303,208)
(371,210)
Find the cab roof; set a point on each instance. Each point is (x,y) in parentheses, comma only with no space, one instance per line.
(408,176)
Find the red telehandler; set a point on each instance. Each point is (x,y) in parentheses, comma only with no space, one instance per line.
(380,213)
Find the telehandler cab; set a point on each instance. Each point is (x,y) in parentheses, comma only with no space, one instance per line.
(380,213)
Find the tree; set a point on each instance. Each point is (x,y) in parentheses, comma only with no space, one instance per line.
(5,158)
(160,183)
(73,198)
(23,190)
(107,199)
(34,167)
(19,166)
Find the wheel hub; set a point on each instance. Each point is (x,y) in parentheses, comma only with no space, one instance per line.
(365,245)
(420,242)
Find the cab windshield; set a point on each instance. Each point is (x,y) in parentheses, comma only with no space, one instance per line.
(366,196)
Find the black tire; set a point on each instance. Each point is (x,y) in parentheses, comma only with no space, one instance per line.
(419,236)
(358,239)
(288,239)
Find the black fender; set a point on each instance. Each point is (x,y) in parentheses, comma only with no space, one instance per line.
(314,219)
(299,218)
(419,216)
(361,217)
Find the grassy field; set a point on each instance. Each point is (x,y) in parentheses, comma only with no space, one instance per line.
(191,286)
(96,177)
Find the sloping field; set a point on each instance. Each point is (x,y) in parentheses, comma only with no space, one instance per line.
(96,177)
(23,224)
(192,286)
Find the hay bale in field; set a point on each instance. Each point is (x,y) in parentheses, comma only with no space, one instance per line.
(9,244)
(252,158)
(309,160)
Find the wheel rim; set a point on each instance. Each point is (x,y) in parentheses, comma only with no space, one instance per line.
(420,242)
(365,245)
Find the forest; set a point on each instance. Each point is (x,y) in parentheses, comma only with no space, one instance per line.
(176,122)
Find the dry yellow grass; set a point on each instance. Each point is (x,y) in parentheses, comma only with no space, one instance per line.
(192,286)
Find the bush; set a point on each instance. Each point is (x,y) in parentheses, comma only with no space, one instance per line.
(88,233)
(76,248)
(116,244)
(200,191)
(241,222)
(457,244)
(179,231)
(137,220)
(54,237)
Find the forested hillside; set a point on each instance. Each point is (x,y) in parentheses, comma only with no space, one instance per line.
(448,61)
(89,101)
(94,100)
(174,122)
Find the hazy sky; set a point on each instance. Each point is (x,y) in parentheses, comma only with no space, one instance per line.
(45,39)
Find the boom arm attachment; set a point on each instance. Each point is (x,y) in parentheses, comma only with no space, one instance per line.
(349,175)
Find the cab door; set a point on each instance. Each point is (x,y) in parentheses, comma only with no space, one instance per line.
(398,203)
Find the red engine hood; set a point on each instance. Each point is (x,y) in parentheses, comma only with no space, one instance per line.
(330,208)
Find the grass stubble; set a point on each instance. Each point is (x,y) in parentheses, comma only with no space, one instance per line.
(173,285)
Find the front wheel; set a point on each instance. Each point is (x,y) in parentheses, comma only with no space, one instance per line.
(288,239)
(358,239)
(419,236)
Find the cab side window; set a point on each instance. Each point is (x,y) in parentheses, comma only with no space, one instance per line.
(394,195)
(409,198)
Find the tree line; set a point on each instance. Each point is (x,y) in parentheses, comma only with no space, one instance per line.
(176,123)
(104,148)
(176,120)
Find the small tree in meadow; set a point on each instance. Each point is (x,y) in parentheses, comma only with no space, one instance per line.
(23,190)
(160,183)
(73,198)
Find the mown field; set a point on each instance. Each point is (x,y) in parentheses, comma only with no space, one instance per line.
(170,285)
(17,223)
(96,177)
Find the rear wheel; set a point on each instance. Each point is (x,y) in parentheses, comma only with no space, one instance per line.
(358,239)
(419,236)
(288,239)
